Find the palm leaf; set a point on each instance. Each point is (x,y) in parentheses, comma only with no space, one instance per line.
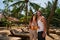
(30,12)
(35,6)
(16,3)
(19,9)
(57,19)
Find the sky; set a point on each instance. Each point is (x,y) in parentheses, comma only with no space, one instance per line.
(40,2)
(1,4)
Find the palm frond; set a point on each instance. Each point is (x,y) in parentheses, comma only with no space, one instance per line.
(30,12)
(16,3)
(57,19)
(19,9)
(35,6)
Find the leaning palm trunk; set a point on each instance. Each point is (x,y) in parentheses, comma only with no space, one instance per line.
(51,16)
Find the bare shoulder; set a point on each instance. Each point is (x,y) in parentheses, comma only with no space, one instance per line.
(43,17)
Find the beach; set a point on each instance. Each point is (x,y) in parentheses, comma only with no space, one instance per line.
(4,36)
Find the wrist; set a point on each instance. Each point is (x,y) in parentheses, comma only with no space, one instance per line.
(44,32)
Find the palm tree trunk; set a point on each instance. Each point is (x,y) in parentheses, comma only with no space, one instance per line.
(26,10)
(51,16)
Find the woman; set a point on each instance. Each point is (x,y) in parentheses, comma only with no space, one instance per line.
(33,28)
(41,26)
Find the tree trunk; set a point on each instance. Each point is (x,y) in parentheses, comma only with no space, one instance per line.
(51,15)
(26,10)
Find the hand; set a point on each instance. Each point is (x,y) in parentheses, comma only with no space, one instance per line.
(43,34)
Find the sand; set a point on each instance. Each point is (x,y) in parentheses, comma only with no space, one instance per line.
(2,37)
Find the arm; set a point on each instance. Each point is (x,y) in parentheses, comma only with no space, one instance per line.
(45,25)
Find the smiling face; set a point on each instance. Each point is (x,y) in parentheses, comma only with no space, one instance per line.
(38,13)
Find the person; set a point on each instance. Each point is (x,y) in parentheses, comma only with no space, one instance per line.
(33,28)
(41,21)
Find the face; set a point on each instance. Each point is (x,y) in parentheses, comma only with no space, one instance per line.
(38,13)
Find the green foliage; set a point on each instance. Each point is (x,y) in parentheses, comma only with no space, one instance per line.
(58,10)
(35,6)
(20,6)
(56,17)
(3,22)
(23,6)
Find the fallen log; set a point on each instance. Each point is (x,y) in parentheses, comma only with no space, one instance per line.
(24,36)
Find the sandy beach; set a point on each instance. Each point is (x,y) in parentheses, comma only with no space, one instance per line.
(5,36)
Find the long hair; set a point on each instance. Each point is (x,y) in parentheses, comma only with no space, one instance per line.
(32,18)
(39,12)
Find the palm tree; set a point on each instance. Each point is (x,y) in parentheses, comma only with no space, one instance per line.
(54,6)
(46,11)
(49,11)
(6,9)
(23,5)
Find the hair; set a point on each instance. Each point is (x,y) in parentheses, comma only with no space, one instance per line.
(36,14)
(32,18)
(39,12)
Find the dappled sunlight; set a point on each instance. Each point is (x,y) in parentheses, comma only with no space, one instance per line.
(15,17)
